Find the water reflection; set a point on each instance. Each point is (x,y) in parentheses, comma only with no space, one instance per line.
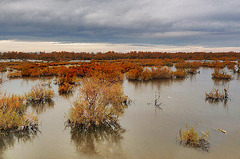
(41,107)
(192,77)
(8,139)
(27,80)
(155,83)
(100,142)
(156,103)
(67,95)
(217,102)
(220,83)
(238,76)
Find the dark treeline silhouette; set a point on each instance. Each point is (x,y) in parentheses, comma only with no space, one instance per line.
(111,55)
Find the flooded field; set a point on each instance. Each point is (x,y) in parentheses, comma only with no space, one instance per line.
(144,131)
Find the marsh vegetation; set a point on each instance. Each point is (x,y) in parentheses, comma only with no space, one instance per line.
(13,115)
(86,103)
(221,74)
(190,137)
(39,94)
(216,95)
(99,103)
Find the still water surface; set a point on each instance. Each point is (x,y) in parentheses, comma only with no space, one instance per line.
(144,131)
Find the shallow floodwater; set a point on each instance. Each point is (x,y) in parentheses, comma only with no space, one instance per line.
(144,131)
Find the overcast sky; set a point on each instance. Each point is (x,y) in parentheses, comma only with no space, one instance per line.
(120,23)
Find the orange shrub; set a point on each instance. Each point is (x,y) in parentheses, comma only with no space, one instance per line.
(161,72)
(180,74)
(215,95)
(3,69)
(14,74)
(65,88)
(134,74)
(145,75)
(192,71)
(99,103)
(39,94)
(221,74)
(194,64)
(12,114)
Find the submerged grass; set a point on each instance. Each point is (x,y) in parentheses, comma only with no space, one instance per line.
(221,74)
(190,137)
(39,94)
(215,95)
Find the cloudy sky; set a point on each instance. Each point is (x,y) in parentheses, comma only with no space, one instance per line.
(120,25)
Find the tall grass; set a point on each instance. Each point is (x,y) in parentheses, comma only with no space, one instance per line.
(161,73)
(99,103)
(190,137)
(180,73)
(154,73)
(215,95)
(14,74)
(221,74)
(1,79)
(13,114)
(39,94)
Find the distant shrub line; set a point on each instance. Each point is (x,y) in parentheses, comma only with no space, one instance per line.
(111,55)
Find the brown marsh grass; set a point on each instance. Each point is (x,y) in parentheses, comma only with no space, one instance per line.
(99,103)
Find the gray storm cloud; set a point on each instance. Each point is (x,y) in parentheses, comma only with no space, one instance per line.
(175,22)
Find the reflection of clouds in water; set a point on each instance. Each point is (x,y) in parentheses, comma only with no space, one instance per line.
(22,85)
(100,142)
(8,139)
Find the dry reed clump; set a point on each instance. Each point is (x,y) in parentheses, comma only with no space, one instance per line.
(187,65)
(3,68)
(192,71)
(215,95)
(237,68)
(134,74)
(99,103)
(14,74)
(148,74)
(66,80)
(13,116)
(221,74)
(161,73)
(1,80)
(154,73)
(39,94)
(65,88)
(190,137)
(180,74)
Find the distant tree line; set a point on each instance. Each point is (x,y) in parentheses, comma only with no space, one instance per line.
(111,55)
